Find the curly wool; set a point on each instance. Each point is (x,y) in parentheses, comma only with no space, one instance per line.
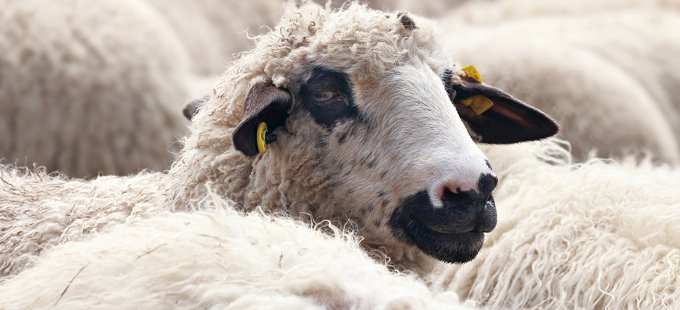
(88,88)
(216,260)
(599,235)
(39,211)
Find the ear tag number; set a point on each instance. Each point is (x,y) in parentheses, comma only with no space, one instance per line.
(479,104)
(471,72)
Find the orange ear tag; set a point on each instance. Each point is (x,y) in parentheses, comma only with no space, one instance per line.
(261,134)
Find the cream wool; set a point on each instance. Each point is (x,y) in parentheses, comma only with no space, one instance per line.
(38,211)
(89,88)
(213,31)
(599,235)
(214,261)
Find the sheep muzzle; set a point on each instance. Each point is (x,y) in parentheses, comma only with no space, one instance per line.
(453,233)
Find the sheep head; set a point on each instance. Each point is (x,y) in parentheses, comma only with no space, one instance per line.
(373,133)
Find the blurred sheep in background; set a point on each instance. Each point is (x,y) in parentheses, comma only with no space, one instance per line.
(89,87)
(606,70)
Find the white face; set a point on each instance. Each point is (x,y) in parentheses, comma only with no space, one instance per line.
(402,162)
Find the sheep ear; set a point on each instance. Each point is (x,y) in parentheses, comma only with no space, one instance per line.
(494,116)
(192,107)
(265,103)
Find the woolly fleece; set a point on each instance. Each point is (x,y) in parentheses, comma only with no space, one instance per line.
(89,89)
(216,261)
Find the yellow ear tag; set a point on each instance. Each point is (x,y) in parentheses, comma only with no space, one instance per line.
(479,104)
(471,72)
(261,133)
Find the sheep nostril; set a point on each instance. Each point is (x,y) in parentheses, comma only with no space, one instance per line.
(486,184)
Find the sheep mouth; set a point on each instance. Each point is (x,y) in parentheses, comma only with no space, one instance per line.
(453,233)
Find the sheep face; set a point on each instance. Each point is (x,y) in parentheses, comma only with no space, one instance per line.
(372,133)
(402,164)
(395,157)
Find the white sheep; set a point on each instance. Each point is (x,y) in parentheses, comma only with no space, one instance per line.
(632,36)
(89,88)
(216,260)
(558,220)
(371,140)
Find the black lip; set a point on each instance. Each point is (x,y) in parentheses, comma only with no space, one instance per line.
(453,233)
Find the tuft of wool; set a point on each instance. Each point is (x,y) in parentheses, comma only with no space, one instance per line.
(597,235)
(38,211)
(89,88)
(216,260)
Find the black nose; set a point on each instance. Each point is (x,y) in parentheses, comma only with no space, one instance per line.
(485,185)
(462,212)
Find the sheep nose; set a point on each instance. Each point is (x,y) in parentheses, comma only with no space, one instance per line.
(478,190)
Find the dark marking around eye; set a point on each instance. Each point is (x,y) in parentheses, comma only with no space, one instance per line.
(328,97)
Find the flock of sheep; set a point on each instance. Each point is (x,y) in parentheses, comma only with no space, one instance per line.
(385,157)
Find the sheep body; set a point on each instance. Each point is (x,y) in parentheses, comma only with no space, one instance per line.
(208,260)
(39,211)
(89,89)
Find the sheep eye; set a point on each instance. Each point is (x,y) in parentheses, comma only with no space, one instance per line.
(323,96)
(327,95)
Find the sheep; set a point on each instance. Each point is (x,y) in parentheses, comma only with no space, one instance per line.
(90,89)
(214,30)
(600,113)
(603,200)
(386,87)
(216,260)
(631,39)
(597,235)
